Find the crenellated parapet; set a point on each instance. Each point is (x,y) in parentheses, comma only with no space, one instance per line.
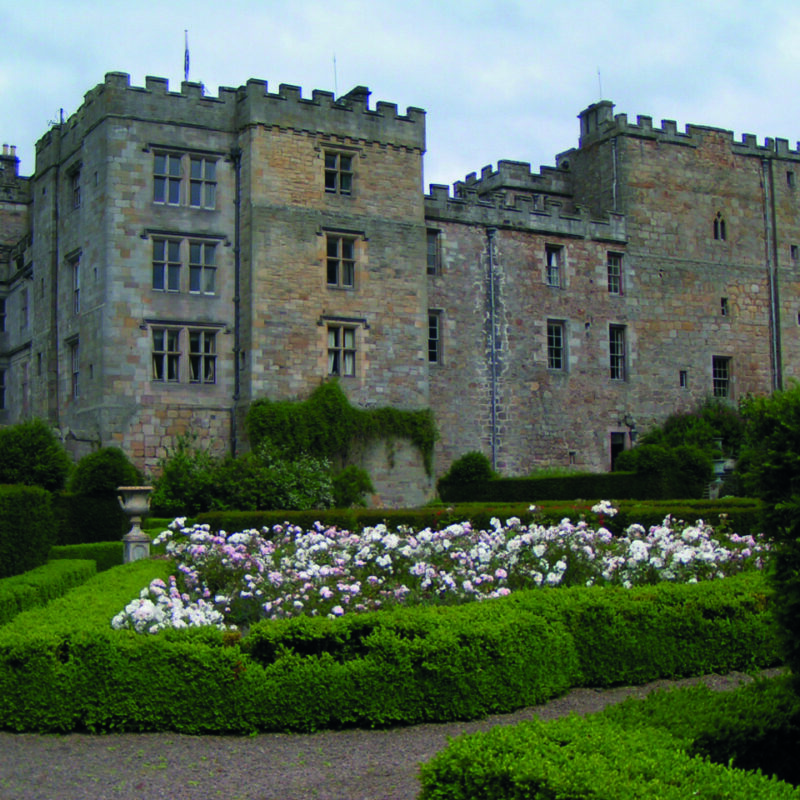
(546,214)
(235,109)
(599,123)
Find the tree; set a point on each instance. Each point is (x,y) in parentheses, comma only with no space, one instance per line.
(31,454)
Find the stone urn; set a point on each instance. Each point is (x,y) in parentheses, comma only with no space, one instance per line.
(135,502)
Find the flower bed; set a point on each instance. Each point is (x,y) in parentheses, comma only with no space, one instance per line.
(239,578)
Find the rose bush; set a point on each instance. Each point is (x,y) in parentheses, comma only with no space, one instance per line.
(288,571)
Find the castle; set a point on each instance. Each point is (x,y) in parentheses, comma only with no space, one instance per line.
(176,256)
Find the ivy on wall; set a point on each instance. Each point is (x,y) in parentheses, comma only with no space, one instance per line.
(326,424)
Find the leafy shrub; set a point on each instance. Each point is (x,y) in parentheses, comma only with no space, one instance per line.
(31,454)
(681,471)
(186,480)
(471,469)
(101,472)
(350,485)
(27,528)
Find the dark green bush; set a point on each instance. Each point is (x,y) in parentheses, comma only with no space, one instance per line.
(350,485)
(101,472)
(186,480)
(771,471)
(31,454)
(88,518)
(27,528)
(677,471)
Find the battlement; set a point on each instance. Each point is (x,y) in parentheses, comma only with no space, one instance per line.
(546,214)
(234,109)
(598,122)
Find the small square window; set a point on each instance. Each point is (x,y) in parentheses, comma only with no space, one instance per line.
(794,252)
(338,173)
(723,306)
(683,379)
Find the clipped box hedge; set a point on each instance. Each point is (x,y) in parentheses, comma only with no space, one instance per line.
(27,528)
(579,757)
(41,585)
(63,668)
(104,554)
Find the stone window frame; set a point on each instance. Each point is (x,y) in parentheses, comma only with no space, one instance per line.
(74,350)
(339,171)
(615,273)
(202,350)
(556,345)
(178,182)
(202,182)
(433,243)
(554,261)
(184,351)
(342,348)
(202,266)
(74,266)
(166,354)
(167,264)
(721,377)
(342,257)
(617,352)
(74,185)
(720,229)
(435,339)
(191,270)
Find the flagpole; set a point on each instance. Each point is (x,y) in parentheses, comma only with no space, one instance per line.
(186,55)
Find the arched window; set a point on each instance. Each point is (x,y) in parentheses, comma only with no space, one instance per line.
(719,227)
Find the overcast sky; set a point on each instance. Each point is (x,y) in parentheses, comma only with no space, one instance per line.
(498,80)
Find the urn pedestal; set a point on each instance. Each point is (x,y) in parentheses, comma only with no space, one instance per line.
(135,502)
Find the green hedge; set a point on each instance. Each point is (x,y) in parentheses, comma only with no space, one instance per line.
(85,519)
(63,668)
(757,726)
(41,585)
(27,529)
(742,516)
(104,554)
(621,485)
(579,758)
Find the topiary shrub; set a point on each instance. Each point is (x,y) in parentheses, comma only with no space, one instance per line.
(27,528)
(31,454)
(471,468)
(101,472)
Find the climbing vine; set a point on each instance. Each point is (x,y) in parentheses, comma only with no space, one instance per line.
(326,424)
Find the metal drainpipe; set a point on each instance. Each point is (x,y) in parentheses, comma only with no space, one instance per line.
(54,265)
(490,232)
(771,254)
(236,157)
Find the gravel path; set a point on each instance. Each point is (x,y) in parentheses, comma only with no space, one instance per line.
(330,765)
